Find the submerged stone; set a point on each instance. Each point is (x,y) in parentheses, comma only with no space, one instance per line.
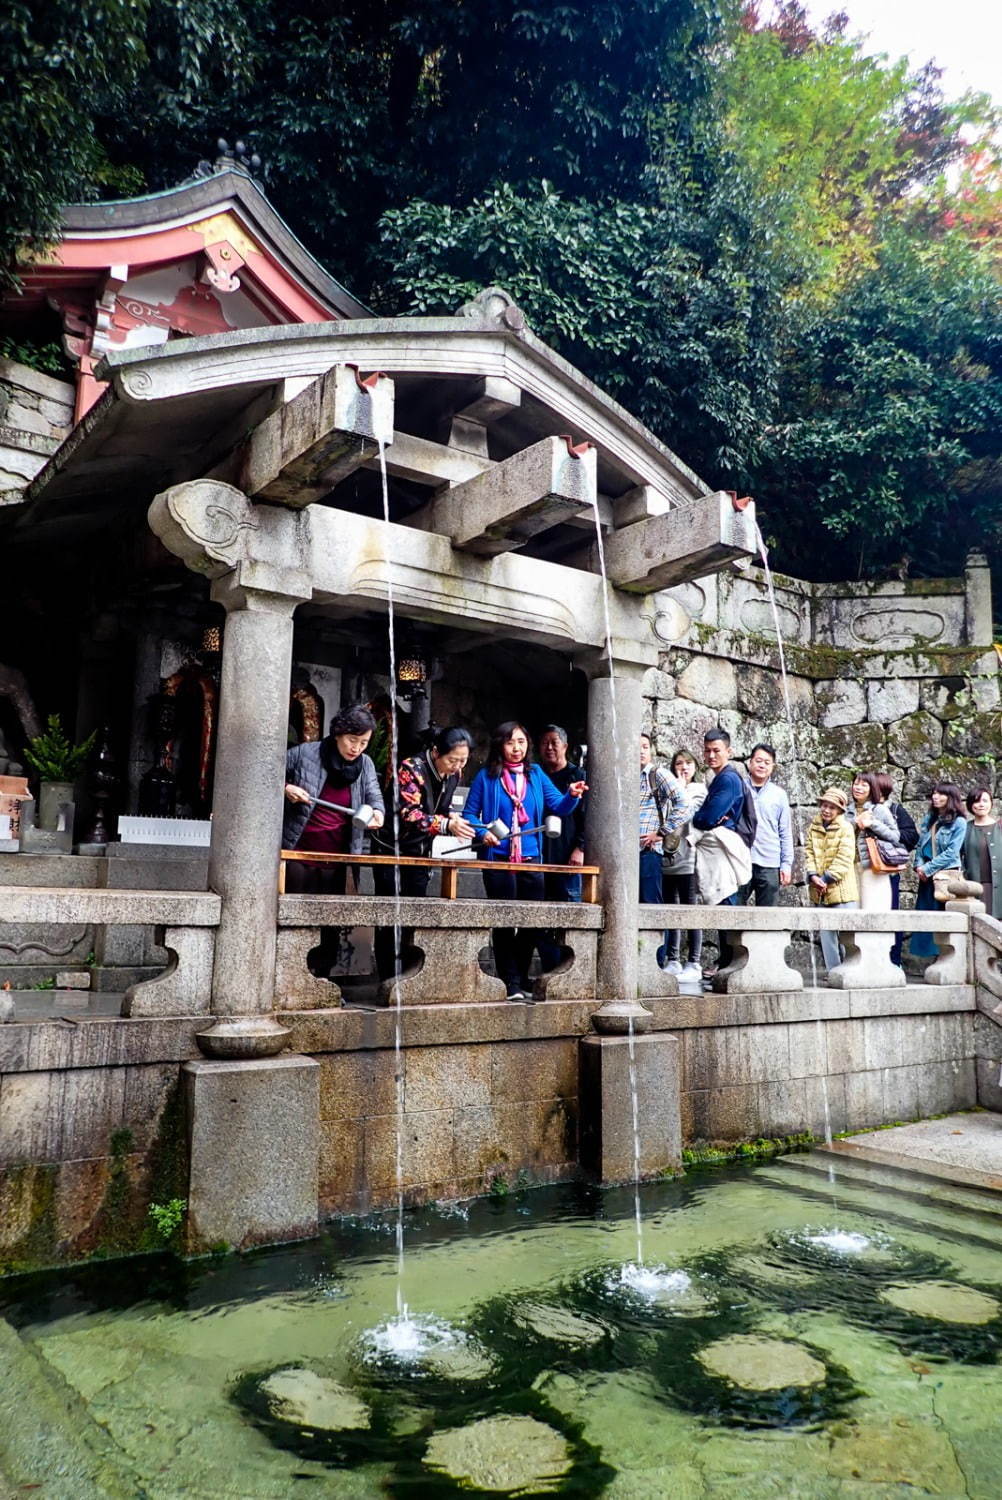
(505,1455)
(305,1399)
(463,1361)
(761,1364)
(943,1300)
(559,1325)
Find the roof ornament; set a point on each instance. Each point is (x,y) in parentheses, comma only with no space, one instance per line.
(235,159)
(494,307)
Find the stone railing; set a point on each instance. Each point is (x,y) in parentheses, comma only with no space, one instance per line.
(184,923)
(443,966)
(760,936)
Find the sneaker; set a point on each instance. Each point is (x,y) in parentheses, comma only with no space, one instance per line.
(515,992)
(672,966)
(692,970)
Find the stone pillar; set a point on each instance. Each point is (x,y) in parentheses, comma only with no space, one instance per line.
(978,599)
(614,720)
(254,1138)
(606,1093)
(247,810)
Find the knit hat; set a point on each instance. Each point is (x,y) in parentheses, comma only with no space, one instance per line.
(833,794)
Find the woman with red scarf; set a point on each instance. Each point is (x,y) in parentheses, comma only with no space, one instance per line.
(520,794)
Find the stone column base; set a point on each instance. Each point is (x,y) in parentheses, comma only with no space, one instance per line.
(254,1138)
(606,1131)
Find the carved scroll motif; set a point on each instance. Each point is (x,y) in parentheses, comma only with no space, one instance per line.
(205,523)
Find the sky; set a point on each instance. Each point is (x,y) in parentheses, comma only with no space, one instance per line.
(963,36)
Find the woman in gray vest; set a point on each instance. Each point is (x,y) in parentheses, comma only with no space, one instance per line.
(338,772)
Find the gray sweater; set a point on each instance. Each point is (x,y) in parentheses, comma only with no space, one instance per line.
(304,767)
(884,826)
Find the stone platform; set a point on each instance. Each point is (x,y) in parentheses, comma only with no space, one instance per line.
(964,1148)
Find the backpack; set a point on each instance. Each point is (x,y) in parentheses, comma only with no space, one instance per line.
(906,826)
(746,826)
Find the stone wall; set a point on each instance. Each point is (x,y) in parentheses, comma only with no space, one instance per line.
(898,676)
(92,1127)
(36,414)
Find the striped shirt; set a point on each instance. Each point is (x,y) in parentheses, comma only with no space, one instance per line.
(673,810)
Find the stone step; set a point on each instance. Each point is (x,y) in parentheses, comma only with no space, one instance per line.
(924,1203)
(859,1173)
(48,1440)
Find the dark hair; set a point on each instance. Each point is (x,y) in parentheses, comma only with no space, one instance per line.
(683,755)
(884,782)
(354,720)
(954,802)
(444,740)
(645,734)
(554,729)
(716,733)
(769,750)
(975,793)
(495,755)
(873,785)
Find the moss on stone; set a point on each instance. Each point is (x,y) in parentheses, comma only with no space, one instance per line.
(39,1244)
(714,1153)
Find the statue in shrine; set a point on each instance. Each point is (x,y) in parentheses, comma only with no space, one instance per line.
(306,709)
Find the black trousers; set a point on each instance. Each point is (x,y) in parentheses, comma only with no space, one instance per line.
(514,946)
(764,886)
(412,883)
(319,880)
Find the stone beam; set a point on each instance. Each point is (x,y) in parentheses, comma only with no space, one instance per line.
(425,462)
(502,508)
(299,452)
(687,542)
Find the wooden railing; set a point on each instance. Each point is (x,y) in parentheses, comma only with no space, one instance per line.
(450,869)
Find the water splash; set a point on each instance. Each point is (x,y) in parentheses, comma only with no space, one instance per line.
(796,801)
(407,1340)
(652,1282)
(841,1241)
(398,1055)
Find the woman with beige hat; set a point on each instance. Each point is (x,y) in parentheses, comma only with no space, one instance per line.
(830,855)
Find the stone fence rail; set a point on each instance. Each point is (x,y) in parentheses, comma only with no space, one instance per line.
(184,922)
(759,937)
(445,942)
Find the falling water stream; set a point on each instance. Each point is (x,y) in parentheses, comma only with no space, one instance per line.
(797,801)
(625,891)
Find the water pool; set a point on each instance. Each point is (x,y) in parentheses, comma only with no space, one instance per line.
(797,1331)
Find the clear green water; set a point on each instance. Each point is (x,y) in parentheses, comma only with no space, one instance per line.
(146,1381)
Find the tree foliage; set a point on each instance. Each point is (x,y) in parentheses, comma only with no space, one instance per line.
(779,251)
(887,440)
(63,62)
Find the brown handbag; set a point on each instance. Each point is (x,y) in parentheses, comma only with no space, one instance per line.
(877,865)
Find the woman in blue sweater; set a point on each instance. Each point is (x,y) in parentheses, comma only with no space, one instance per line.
(939,849)
(520,794)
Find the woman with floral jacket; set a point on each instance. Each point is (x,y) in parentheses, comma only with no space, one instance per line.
(426,786)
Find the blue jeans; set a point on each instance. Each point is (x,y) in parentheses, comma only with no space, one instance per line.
(650,886)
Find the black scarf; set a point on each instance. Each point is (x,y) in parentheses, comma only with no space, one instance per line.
(340,771)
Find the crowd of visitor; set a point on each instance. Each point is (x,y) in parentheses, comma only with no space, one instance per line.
(727,840)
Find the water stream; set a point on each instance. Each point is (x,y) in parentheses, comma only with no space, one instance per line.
(624,882)
(402,1323)
(799,791)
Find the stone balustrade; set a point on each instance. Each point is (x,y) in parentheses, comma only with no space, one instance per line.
(760,936)
(445,941)
(443,965)
(184,921)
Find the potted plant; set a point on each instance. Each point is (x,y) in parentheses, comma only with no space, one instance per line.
(57,765)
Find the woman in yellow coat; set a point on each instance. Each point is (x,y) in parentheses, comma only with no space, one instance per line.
(830,851)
